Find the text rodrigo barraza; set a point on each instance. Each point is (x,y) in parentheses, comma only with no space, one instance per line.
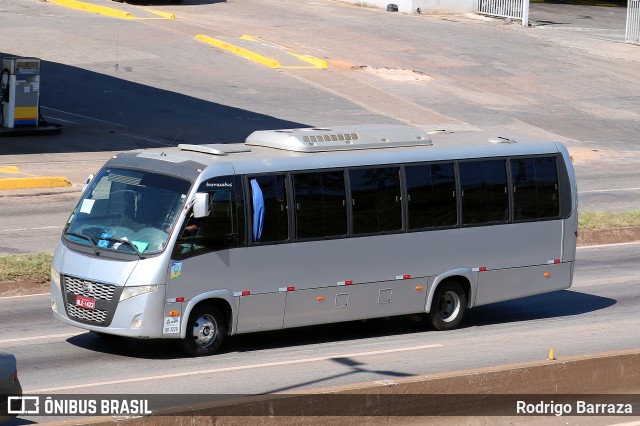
(579,407)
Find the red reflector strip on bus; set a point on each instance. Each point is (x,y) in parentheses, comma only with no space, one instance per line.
(246,293)
(479,269)
(347,282)
(551,262)
(177,299)
(403,277)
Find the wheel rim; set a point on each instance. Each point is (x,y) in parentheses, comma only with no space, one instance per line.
(449,306)
(205,331)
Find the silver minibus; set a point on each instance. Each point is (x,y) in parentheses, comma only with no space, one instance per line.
(306,226)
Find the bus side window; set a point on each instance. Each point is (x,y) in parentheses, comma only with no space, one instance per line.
(431,195)
(375,200)
(269,208)
(320,204)
(223,228)
(485,197)
(535,187)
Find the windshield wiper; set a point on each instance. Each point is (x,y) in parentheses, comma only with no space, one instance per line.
(127,242)
(84,237)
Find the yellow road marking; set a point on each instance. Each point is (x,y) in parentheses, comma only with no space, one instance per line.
(165,15)
(34,182)
(102,10)
(316,62)
(110,11)
(240,51)
(9,169)
(262,59)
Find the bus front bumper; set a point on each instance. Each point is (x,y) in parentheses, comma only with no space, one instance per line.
(140,316)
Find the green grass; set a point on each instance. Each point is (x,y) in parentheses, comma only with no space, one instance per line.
(26,267)
(592,221)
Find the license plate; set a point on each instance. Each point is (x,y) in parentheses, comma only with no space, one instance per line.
(85,302)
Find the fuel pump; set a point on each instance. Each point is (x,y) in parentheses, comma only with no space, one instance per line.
(20,92)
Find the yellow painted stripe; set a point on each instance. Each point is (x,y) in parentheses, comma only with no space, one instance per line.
(316,62)
(240,51)
(9,169)
(249,38)
(87,7)
(34,182)
(26,112)
(165,15)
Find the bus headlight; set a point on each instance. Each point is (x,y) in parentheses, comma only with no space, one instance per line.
(55,278)
(130,292)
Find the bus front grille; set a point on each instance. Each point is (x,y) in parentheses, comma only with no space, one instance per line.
(88,288)
(106,297)
(91,315)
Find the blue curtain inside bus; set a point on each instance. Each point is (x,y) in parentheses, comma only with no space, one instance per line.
(258,209)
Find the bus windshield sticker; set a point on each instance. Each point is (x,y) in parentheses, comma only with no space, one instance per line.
(87,206)
(176,269)
(141,246)
(104,243)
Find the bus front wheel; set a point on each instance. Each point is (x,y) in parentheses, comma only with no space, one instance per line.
(206,330)
(448,307)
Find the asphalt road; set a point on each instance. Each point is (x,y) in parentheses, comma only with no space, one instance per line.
(120,84)
(599,313)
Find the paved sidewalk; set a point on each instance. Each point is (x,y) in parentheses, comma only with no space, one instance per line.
(598,30)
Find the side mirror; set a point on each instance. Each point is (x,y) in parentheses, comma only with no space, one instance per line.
(87,182)
(201,205)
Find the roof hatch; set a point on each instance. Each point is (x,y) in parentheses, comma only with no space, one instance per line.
(215,148)
(340,138)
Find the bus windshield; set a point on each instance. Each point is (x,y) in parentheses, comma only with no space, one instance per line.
(129,211)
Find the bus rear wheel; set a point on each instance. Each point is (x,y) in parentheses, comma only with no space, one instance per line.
(448,307)
(206,330)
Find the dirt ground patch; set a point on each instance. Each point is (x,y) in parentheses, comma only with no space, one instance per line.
(585,238)
(609,236)
(22,288)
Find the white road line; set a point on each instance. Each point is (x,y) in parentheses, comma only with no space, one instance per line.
(31,229)
(25,295)
(608,245)
(36,338)
(84,116)
(227,369)
(626,424)
(595,191)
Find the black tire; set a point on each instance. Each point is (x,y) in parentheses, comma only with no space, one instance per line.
(206,330)
(448,306)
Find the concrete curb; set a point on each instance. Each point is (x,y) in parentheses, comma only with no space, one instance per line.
(102,10)
(240,51)
(604,373)
(34,182)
